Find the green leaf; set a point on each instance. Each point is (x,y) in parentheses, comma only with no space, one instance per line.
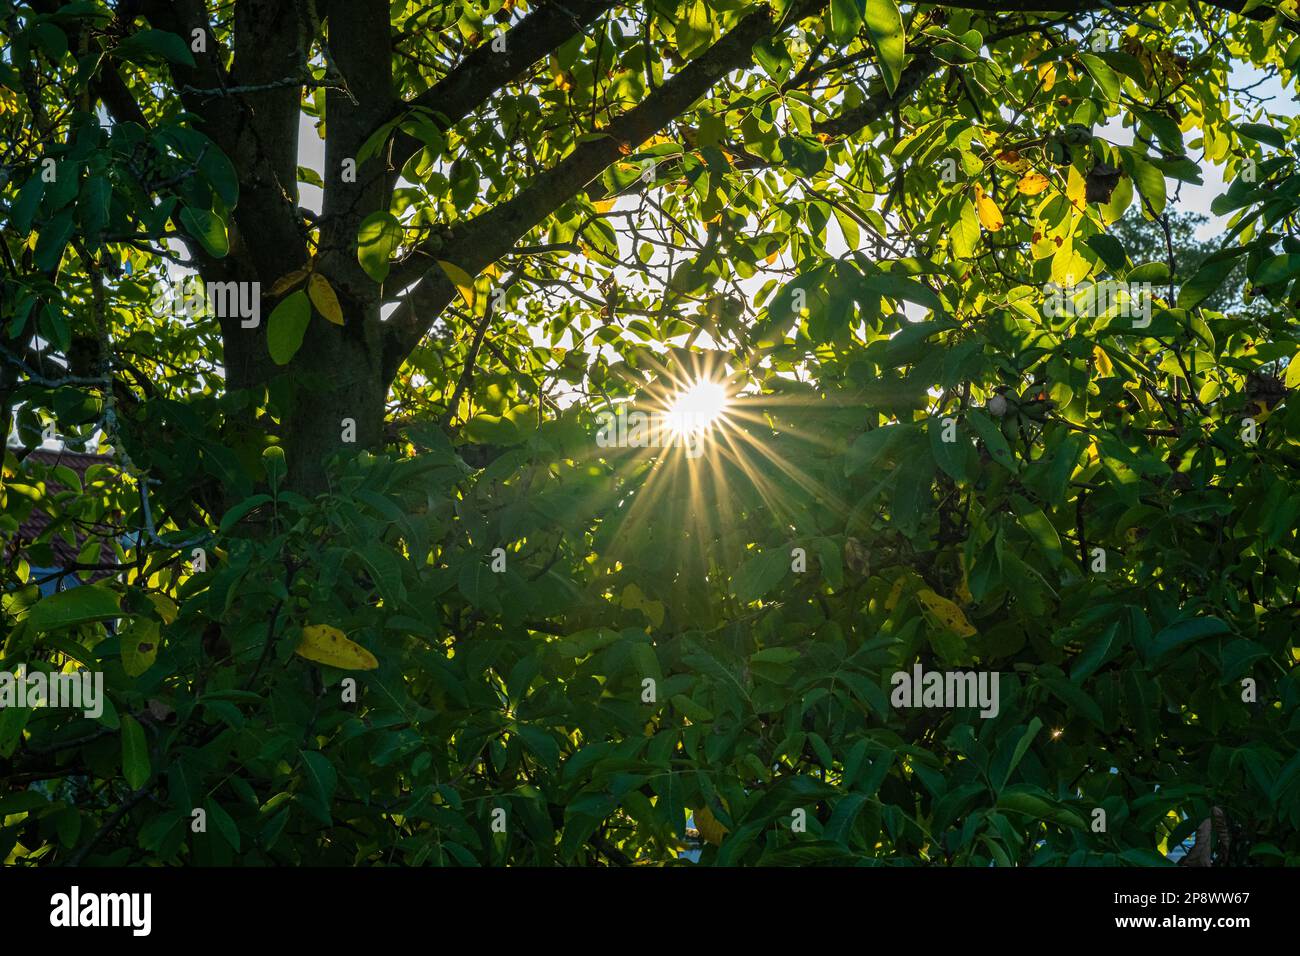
(885,26)
(759,574)
(1094,654)
(994,441)
(322,779)
(951,456)
(135,753)
(1277,269)
(379,235)
(695,31)
(1206,281)
(286,326)
(488,429)
(1184,632)
(477,582)
(208,229)
(1042,530)
(223,822)
(904,288)
(93,204)
(53,239)
(774,58)
(145,44)
(29,200)
(870,446)
(1262,134)
(1153,272)
(220,172)
(691,709)
(846,19)
(843,817)
(966,231)
(1022,746)
(1150,181)
(79,605)
(1110,249)
(776,655)
(803,155)
(1039,808)
(237,512)
(1076,699)
(1103,75)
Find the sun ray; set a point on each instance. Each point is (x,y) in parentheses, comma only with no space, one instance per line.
(697,408)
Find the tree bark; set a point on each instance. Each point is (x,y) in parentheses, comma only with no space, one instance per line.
(337,396)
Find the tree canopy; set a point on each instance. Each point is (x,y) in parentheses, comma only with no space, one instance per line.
(345,294)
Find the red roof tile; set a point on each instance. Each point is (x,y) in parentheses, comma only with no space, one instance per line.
(39,521)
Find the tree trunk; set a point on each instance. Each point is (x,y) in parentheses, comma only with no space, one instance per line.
(337,400)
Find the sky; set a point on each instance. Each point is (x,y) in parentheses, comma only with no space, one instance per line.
(1198,198)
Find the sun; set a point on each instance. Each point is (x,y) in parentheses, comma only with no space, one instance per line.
(697,407)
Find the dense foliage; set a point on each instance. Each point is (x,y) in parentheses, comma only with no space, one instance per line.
(854,214)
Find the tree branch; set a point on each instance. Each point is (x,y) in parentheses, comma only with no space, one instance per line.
(490,235)
(483,71)
(922,67)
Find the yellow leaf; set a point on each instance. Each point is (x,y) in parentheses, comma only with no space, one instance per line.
(635,600)
(139,647)
(947,613)
(164,605)
(1102,360)
(990,214)
(605,205)
(328,645)
(1293,372)
(1076,189)
(288,281)
(710,827)
(322,296)
(895,593)
(1012,160)
(1033,183)
(963,587)
(1047,73)
(463,281)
